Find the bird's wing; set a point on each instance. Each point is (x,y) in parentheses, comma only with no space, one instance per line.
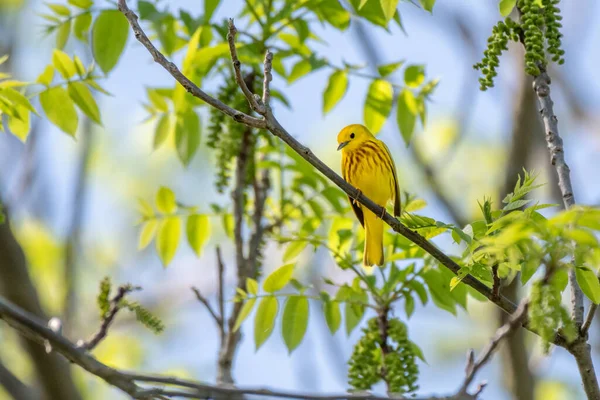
(397,207)
(355,207)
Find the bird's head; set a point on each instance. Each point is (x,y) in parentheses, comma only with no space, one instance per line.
(352,137)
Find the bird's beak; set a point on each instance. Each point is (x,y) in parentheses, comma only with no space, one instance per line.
(342,145)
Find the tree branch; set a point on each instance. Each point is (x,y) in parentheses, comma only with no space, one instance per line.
(271,124)
(473,366)
(212,312)
(108,319)
(136,385)
(588,320)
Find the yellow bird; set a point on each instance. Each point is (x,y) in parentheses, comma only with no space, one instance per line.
(368,165)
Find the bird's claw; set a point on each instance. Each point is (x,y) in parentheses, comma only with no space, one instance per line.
(382,212)
(355,199)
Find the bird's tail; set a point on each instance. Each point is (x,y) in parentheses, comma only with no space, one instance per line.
(373,240)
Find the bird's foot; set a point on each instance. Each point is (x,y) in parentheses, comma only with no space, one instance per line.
(355,199)
(382,212)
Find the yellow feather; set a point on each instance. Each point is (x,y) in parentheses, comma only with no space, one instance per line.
(368,165)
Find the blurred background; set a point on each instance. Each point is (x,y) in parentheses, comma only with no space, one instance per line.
(72,203)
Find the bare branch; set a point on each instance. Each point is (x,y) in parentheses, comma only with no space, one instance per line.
(212,312)
(254,101)
(588,320)
(107,320)
(172,69)
(272,125)
(268,77)
(473,366)
(221,271)
(136,385)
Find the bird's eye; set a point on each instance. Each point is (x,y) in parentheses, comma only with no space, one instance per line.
(352,135)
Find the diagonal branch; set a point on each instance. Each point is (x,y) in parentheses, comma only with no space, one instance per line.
(147,386)
(206,304)
(473,366)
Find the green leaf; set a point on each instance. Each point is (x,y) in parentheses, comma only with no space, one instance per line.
(59,9)
(420,289)
(300,69)
(439,290)
(588,281)
(82,96)
(165,200)
(409,305)
(335,91)
(371,11)
(406,114)
(506,6)
(389,8)
(333,316)
(228,223)
(294,248)
(244,313)
(17,98)
(167,239)
(378,104)
(145,208)
(60,109)
(46,77)
(162,131)
(353,316)
(157,100)
(264,321)
(147,234)
(414,75)
(85,4)
(187,135)
(63,64)
(427,4)
(20,127)
(209,9)
(109,36)
(387,69)
(252,286)
(417,351)
(278,278)
(81,26)
(62,34)
(198,231)
(294,321)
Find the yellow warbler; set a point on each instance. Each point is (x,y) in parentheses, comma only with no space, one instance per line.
(368,165)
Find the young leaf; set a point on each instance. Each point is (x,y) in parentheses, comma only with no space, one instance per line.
(46,77)
(252,286)
(167,239)
(389,8)
(278,278)
(209,9)
(294,248)
(162,131)
(109,36)
(228,225)
(506,6)
(353,316)
(85,4)
(20,127)
(333,316)
(59,109)
(387,69)
(82,96)
(378,104)
(165,200)
(588,281)
(406,114)
(198,231)
(335,91)
(62,34)
(294,321)
(244,312)
(414,75)
(147,233)
(264,320)
(427,4)
(187,135)
(81,26)
(409,305)
(63,64)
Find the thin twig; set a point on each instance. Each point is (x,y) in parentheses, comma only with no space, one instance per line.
(473,366)
(108,319)
(268,66)
(204,301)
(255,103)
(221,294)
(588,320)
